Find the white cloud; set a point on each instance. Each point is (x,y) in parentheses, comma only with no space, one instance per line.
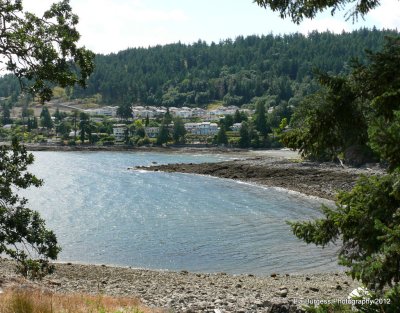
(108,26)
(387,15)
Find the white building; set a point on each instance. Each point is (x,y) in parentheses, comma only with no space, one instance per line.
(106,111)
(152,132)
(236,127)
(204,128)
(119,131)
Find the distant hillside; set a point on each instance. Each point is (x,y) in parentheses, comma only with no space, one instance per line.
(278,68)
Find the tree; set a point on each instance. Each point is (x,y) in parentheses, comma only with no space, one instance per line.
(227,121)
(245,136)
(63,128)
(43,50)
(367,219)
(139,129)
(23,233)
(179,131)
(167,117)
(239,117)
(298,10)
(45,118)
(84,126)
(163,134)
(222,138)
(124,111)
(6,114)
(260,120)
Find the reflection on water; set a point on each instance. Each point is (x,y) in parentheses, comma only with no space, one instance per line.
(104,213)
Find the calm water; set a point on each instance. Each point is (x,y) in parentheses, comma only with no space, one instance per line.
(104,213)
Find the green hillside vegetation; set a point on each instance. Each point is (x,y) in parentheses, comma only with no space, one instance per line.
(234,72)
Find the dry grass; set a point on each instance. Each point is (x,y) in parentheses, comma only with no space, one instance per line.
(38,301)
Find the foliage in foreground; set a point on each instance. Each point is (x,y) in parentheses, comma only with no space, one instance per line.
(36,301)
(366,220)
(43,49)
(361,110)
(23,233)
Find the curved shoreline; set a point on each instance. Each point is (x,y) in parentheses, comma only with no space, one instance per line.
(320,180)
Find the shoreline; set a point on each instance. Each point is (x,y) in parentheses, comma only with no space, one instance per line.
(321,180)
(189,292)
(128,148)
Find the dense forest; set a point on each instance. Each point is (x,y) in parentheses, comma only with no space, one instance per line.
(236,72)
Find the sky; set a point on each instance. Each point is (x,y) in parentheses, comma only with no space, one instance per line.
(108,26)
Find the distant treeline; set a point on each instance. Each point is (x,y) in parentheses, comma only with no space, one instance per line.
(237,72)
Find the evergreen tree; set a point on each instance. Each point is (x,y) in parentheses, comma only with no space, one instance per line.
(260,119)
(222,138)
(45,118)
(299,10)
(63,128)
(179,131)
(167,118)
(35,123)
(124,111)
(84,126)
(245,136)
(366,220)
(6,114)
(163,134)
(239,117)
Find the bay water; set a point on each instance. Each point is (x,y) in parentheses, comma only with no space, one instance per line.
(103,212)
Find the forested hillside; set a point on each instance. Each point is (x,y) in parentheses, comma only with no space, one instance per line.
(279,68)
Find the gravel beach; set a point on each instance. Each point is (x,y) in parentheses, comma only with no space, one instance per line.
(191,292)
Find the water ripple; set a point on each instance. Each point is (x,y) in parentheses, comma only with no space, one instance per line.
(103,213)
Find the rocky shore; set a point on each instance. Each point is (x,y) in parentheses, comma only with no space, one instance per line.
(322,180)
(191,292)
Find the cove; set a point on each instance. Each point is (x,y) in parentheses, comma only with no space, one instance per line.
(104,213)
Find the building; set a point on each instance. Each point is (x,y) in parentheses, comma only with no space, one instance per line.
(236,127)
(204,128)
(119,131)
(105,111)
(152,132)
